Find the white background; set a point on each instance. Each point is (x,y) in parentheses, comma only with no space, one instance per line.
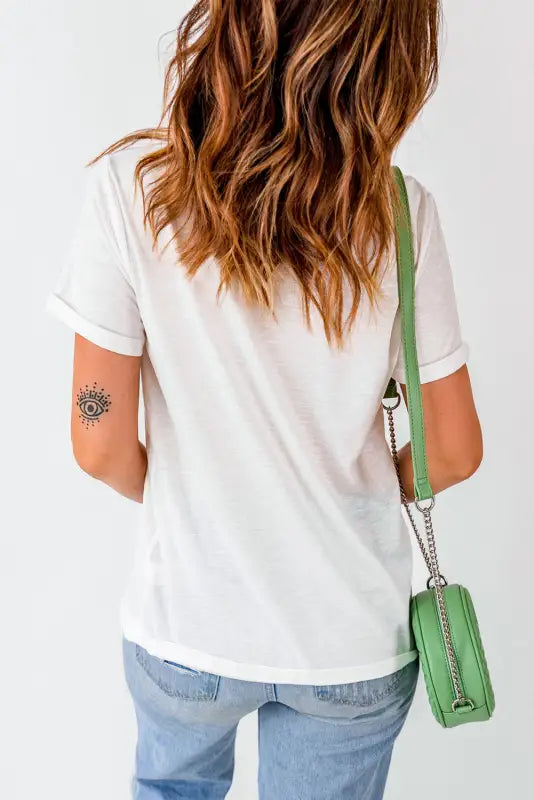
(74,77)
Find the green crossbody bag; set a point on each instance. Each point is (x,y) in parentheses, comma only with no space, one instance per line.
(443,618)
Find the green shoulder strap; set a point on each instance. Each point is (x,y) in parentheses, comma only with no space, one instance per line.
(406,287)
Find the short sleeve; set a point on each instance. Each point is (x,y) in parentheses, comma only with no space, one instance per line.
(440,346)
(94,295)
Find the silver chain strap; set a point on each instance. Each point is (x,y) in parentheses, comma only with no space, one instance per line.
(431,560)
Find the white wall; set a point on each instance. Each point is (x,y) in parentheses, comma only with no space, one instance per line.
(74,76)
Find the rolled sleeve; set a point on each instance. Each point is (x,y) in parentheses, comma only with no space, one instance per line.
(438,369)
(441,349)
(103,337)
(94,294)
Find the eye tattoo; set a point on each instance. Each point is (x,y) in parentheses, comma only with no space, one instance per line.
(92,403)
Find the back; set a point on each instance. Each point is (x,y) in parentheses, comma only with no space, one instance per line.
(271,507)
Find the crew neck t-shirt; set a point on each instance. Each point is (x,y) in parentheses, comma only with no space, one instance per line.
(271,543)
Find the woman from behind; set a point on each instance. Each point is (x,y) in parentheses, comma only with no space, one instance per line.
(240,258)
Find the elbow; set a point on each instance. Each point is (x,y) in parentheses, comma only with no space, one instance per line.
(456,458)
(467,463)
(468,468)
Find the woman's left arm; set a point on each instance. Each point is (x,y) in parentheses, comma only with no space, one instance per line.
(104,417)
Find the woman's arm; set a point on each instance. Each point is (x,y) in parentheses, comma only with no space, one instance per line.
(452,431)
(104,417)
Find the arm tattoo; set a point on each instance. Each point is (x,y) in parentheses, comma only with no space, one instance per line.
(92,403)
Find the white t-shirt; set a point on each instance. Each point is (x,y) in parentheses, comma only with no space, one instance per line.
(271,544)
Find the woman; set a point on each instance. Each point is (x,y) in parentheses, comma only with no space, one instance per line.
(273,567)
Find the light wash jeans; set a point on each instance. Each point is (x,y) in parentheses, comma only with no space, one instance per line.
(329,742)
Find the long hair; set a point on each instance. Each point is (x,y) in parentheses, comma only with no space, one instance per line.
(279,122)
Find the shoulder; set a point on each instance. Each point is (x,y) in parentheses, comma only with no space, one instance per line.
(419,195)
(116,170)
(111,189)
(112,207)
(423,211)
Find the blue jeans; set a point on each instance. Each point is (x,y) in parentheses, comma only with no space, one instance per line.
(329,742)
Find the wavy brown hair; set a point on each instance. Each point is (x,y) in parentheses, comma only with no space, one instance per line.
(279,122)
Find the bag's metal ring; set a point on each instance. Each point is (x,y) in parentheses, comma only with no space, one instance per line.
(397,402)
(427,508)
(443,581)
(462,702)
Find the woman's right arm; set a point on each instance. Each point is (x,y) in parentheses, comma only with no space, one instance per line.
(452,432)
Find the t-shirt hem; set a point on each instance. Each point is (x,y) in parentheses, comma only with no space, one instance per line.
(109,340)
(205,662)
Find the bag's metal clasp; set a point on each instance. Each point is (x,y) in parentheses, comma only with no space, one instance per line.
(422,509)
(462,705)
(443,581)
(396,398)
